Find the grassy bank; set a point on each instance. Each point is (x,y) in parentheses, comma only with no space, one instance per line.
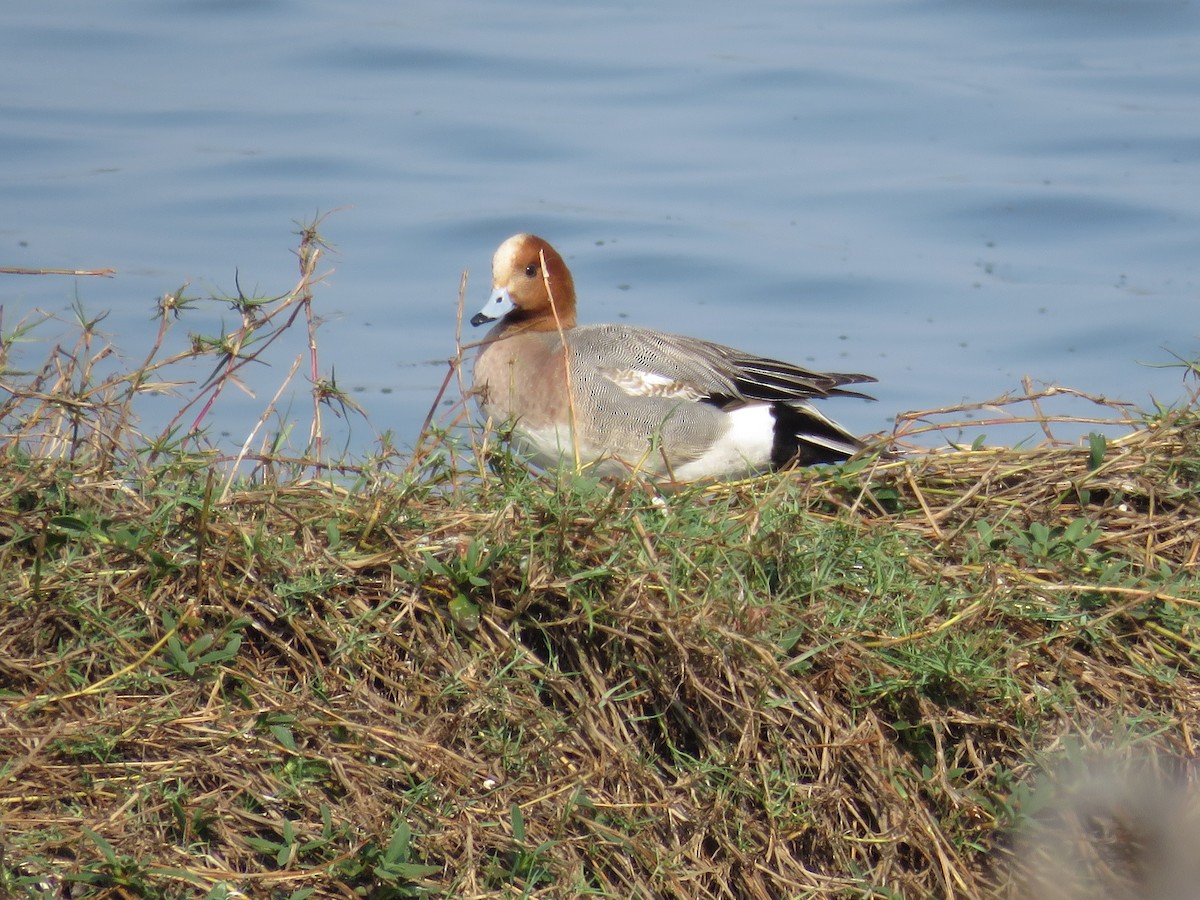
(966,673)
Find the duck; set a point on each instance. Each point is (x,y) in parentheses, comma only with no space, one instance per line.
(617,399)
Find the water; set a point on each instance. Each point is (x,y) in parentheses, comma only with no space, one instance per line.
(947,195)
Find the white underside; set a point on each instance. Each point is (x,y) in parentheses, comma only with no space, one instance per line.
(743,449)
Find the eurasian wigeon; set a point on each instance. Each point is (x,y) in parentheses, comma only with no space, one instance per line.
(617,399)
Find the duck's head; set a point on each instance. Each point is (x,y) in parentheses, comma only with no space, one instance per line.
(530,284)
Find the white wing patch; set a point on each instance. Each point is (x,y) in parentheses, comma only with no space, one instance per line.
(637,383)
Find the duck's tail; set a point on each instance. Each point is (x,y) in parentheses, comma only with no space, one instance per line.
(805,436)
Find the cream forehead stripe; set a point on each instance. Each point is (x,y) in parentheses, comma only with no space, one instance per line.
(506,255)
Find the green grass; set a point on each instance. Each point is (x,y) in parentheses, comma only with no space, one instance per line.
(446,676)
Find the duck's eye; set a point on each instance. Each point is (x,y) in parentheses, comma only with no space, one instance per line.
(531,270)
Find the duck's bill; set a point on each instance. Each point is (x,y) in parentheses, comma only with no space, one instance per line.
(498,306)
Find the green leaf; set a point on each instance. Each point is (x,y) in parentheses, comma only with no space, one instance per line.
(1097,446)
(126,538)
(224,654)
(404,871)
(397,850)
(105,848)
(200,644)
(791,638)
(436,566)
(465,613)
(283,734)
(518,823)
(262,845)
(986,532)
(71,523)
(178,657)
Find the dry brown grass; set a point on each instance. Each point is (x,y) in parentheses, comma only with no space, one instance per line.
(967,673)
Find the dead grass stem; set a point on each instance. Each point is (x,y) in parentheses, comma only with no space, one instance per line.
(962,673)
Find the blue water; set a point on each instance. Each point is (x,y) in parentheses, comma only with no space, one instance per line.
(947,195)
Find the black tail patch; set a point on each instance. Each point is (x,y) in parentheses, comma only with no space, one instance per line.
(792,447)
